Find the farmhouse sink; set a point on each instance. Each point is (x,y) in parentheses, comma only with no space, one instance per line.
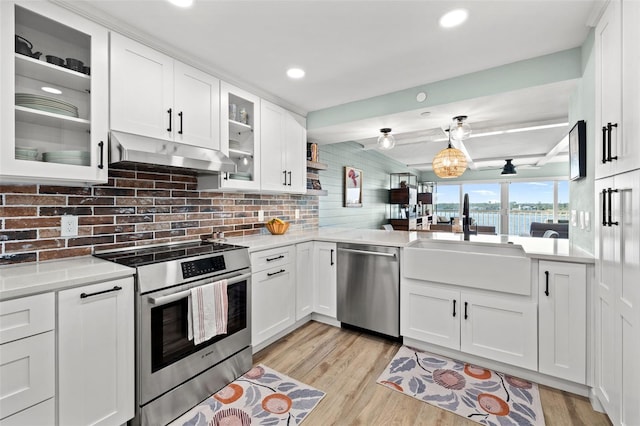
(483,265)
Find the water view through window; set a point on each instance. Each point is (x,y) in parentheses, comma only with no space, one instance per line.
(508,207)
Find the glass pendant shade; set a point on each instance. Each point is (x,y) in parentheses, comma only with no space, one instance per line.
(459,130)
(449,163)
(386,139)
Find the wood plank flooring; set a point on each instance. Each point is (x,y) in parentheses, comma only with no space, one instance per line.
(345,364)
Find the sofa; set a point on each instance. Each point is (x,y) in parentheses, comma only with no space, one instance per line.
(538,229)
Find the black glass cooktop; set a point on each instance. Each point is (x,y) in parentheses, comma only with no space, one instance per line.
(145,255)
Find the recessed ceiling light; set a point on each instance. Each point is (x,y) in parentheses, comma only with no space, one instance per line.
(453,18)
(181,3)
(51,90)
(295,73)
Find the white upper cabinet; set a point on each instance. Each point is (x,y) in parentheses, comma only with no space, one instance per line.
(153,95)
(283,138)
(239,140)
(617,89)
(54,95)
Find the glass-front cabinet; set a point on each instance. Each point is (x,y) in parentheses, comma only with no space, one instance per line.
(240,137)
(54,94)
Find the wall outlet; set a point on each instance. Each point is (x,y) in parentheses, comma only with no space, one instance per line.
(297,213)
(68,226)
(260,215)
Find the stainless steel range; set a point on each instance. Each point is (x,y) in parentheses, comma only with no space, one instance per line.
(172,373)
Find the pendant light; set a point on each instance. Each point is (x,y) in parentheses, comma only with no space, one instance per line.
(386,139)
(459,130)
(450,162)
(509,169)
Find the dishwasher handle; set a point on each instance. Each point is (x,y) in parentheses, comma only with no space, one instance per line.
(375,253)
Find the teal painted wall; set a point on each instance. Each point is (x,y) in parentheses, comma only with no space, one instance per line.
(582,106)
(560,66)
(376,169)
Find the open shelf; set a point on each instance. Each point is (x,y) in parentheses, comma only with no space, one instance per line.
(317,166)
(51,74)
(50,119)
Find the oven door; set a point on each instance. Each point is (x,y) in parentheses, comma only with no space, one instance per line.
(166,357)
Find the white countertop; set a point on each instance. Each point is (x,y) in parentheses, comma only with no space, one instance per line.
(26,279)
(32,278)
(537,248)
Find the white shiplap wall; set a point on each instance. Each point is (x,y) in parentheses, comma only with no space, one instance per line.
(376,169)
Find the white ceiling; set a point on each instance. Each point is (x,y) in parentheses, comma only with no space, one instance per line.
(353,50)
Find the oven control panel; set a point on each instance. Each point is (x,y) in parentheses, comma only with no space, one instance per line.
(194,268)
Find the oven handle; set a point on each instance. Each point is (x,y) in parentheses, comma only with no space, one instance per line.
(163,300)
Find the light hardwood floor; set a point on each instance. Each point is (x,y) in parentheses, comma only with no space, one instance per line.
(345,364)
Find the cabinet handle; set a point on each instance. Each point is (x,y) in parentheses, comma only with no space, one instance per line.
(454,307)
(331,257)
(609,127)
(269,259)
(604,207)
(284,176)
(180,115)
(604,144)
(610,214)
(170,120)
(101,145)
(85,295)
(270,274)
(546,289)
(465,310)
(289,173)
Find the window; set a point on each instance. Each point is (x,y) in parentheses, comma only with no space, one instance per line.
(509,207)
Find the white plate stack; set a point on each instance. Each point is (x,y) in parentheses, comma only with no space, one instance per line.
(26,153)
(78,158)
(47,104)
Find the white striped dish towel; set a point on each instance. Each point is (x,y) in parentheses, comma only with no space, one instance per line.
(208,310)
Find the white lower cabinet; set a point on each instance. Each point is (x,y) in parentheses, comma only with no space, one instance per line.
(273,293)
(562,320)
(325,279)
(304,280)
(96,354)
(499,327)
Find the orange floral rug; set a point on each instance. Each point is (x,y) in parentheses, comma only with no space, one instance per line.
(261,396)
(479,394)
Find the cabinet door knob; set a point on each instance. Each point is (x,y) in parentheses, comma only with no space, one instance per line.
(546,289)
(101,145)
(169,111)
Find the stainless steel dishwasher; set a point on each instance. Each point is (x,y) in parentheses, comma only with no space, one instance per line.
(369,287)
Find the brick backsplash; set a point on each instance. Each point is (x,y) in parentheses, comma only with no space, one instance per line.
(135,207)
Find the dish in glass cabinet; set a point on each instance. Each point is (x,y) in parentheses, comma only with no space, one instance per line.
(47,104)
(78,158)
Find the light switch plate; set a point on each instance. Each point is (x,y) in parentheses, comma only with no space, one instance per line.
(587,221)
(297,213)
(574,218)
(260,215)
(581,219)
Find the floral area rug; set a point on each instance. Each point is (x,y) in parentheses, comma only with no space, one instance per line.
(262,396)
(477,393)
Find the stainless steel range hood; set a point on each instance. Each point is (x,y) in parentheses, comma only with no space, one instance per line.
(130,149)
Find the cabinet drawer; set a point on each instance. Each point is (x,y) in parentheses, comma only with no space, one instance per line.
(43,414)
(261,260)
(27,372)
(26,316)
